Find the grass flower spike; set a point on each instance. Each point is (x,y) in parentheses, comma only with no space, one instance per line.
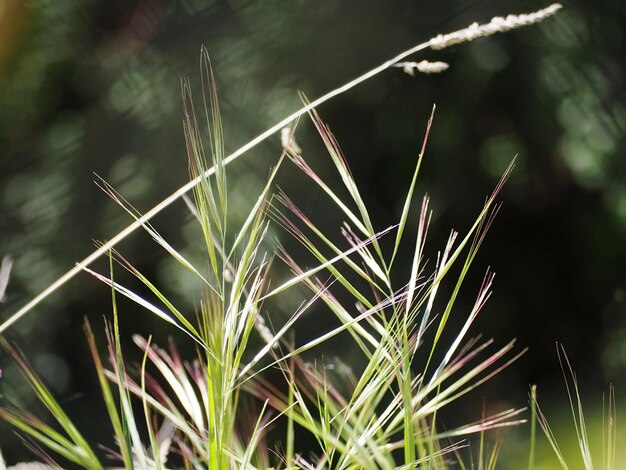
(423,66)
(498,24)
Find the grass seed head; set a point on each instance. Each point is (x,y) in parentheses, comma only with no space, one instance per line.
(498,24)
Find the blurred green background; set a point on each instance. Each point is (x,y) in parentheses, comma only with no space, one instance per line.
(90,86)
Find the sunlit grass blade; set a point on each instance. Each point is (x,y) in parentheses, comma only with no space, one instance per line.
(256,436)
(166,409)
(297,279)
(370,263)
(175,376)
(45,435)
(499,420)
(533,427)
(461,385)
(214,130)
(274,340)
(545,426)
(308,171)
(416,268)
(147,305)
(129,427)
(490,464)
(290,436)
(331,424)
(610,434)
(576,407)
(469,381)
(210,217)
(155,445)
(334,269)
(336,307)
(74,447)
(124,204)
(330,334)
(256,209)
(409,196)
(5,273)
(477,233)
(578,417)
(111,405)
(483,295)
(332,146)
(293,229)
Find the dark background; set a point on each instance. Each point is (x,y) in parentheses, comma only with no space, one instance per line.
(92,86)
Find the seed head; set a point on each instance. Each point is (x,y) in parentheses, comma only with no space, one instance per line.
(498,24)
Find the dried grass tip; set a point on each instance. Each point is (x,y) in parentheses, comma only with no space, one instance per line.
(288,141)
(5,273)
(497,24)
(424,66)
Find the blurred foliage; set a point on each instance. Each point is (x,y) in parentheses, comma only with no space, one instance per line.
(90,86)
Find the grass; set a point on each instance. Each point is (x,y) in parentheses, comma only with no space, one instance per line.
(215,410)
(609,436)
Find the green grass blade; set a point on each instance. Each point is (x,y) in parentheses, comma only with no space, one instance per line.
(75,444)
(109,401)
(409,197)
(533,427)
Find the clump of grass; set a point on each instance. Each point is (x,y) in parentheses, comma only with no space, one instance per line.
(580,427)
(386,416)
(381,415)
